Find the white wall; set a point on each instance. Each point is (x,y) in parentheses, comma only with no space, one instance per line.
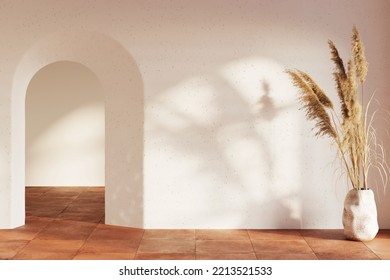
(65,127)
(225,145)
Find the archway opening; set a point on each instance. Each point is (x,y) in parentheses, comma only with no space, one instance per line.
(65,143)
(123,86)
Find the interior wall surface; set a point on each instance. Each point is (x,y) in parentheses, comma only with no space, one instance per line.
(64,127)
(224,144)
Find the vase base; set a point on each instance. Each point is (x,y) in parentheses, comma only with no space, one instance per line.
(354,237)
(360,216)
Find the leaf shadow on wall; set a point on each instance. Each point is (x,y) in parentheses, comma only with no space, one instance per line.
(287,212)
(224,156)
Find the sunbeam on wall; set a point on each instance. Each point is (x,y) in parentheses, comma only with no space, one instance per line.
(64,127)
(230,139)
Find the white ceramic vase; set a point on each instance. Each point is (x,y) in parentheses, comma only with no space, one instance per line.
(360,215)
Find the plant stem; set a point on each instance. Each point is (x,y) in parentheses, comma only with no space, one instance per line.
(364,134)
(340,147)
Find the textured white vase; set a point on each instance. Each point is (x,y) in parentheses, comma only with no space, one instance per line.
(360,216)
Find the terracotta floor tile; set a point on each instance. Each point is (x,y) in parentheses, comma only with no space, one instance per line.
(364,255)
(42,203)
(236,234)
(217,256)
(43,213)
(281,246)
(181,234)
(66,230)
(104,256)
(33,195)
(91,196)
(37,255)
(223,246)
(62,190)
(383,234)
(332,234)
(166,246)
(110,246)
(64,196)
(96,189)
(87,203)
(39,222)
(108,232)
(27,232)
(17,234)
(9,248)
(83,217)
(275,234)
(341,250)
(35,192)
(48,200)
(85,208)
(329,245)
(48,212)
(379,245)
(68,203)
(283,256)
(383,256)
(47,207)
(49,250)
(165,256)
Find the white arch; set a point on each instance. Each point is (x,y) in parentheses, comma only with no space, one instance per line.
(124,106)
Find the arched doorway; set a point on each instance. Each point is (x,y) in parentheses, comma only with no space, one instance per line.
(65,143)
(64,127)
(121,80)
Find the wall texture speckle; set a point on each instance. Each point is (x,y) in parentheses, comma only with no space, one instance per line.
(216,139)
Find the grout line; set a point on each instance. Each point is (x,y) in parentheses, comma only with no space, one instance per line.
(250,240)
(371,250)
(136,251)
(20,250)
(89,235)
(78,250)
(67,206)
(311,248)
(85,240)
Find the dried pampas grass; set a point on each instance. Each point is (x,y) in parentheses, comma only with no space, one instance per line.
(359,57)
(314,101)
(358,147)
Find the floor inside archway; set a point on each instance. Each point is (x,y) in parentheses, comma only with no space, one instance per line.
(68,223)
(69,203)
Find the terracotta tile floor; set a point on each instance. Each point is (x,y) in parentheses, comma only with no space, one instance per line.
(68,223)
